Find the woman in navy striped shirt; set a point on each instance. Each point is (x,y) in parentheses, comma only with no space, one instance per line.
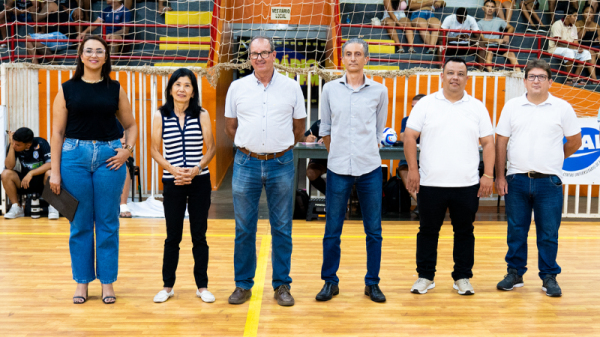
(184,128)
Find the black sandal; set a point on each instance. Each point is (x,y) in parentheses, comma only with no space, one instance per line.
(107,297)
(80,297)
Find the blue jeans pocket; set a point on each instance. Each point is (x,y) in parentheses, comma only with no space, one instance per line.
(69,145)
(510,177)
(241,158)
(554,180)
(285,159)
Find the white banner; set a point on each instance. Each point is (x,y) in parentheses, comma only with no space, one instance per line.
(583,167)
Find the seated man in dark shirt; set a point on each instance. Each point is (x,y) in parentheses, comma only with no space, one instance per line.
(403,165)
(33,154)
(316,167)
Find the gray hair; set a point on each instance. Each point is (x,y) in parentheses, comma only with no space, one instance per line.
(359,41)
(271,43)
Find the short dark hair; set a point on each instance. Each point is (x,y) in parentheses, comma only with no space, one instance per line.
(571,10)
(23,135)
(418,97)
(461,11)
(454,59)
(586,7)
(492,1)
(263,37)
(538,64)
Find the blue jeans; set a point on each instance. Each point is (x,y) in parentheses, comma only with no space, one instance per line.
(369,188)
(543,196)
(249,177)
(85,175)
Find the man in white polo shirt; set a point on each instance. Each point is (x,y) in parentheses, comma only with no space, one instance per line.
(265,117)
(535,123)
(451,125)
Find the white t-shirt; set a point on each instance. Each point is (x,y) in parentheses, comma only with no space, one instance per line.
(450,135)
(536,134)
(469,24)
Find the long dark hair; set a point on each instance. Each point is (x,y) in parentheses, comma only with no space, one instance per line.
(106,67)
(194,107)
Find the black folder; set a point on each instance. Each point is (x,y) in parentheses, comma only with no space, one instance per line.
(65,203)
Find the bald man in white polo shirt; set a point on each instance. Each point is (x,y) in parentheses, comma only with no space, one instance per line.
(451,125)
(265,117)
(536,124)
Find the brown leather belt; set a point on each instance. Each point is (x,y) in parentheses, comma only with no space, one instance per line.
(265,156)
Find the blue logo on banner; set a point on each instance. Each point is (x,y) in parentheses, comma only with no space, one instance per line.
(587,154)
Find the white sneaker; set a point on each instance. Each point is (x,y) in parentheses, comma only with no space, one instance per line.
(206,296)
(15,212)
(163,296)
(422,285)
(53,213)
(464,287)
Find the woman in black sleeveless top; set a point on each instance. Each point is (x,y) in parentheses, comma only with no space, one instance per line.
(88,159)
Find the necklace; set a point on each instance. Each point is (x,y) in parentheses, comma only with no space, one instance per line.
(92,82)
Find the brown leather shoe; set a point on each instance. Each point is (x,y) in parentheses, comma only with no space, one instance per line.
(240,295)
(283,296)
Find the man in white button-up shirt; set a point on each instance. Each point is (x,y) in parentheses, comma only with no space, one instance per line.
(265,117)
(536,124)
(451,125)
(353,116)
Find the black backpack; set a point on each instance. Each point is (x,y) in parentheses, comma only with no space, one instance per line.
(395,197)
(301,204)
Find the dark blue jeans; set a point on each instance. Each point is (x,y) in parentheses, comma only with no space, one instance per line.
(462,202)
(250,175)
(369,191)
(545,197)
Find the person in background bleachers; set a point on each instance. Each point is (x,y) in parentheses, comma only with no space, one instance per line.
(561,5)
(116,13)
(162,5)
(588,31)
(464,22)
(422,17)
(15,10)
(565,30)
(493,24)
(51,13)
(594,5)
(394,16)
(316,167)
(508,6)
(528,8)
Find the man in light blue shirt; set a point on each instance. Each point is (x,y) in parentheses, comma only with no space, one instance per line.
(353,116)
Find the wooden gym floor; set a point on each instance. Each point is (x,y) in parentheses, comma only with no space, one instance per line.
(36,286)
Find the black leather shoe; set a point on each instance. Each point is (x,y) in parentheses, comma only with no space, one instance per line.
(328,291)
(374,293)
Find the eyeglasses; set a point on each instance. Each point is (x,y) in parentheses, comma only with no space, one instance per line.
(90,52)
(541,78)
(263,54)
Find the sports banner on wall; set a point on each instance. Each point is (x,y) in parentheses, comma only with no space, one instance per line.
(583,167)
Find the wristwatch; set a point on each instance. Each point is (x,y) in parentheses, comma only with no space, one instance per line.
(128,147)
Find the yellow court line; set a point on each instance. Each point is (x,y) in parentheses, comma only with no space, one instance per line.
(314,236)
(251,329)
